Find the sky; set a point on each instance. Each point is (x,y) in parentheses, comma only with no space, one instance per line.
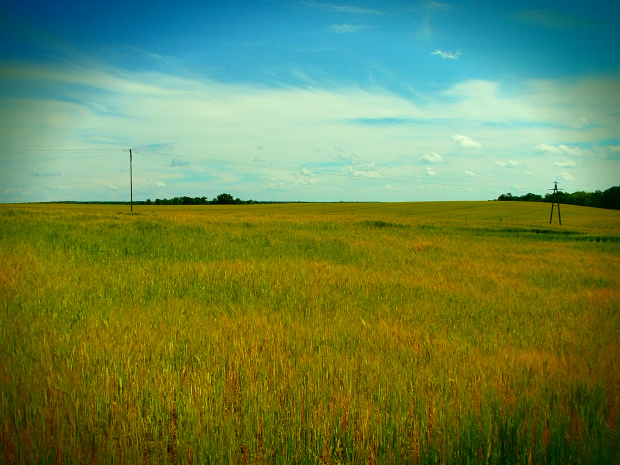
(302,100)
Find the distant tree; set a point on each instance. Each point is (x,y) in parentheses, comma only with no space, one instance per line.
(224,199)
(608,199)
(529,197)
(596,198)
(580,198)
(611,198)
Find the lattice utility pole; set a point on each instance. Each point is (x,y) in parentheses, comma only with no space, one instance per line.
(555,199)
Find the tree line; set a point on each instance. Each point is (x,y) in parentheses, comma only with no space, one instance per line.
(222,199)
(605,199)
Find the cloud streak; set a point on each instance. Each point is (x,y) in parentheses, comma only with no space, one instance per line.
(49,174)
(348,28)
(447,55)
(344,8)
(544,149)
(177,163)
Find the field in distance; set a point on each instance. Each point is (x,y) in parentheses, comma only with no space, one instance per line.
(439,332)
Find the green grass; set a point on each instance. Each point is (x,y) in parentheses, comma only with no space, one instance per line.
(448,332)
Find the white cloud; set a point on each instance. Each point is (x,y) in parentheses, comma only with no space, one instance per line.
(465,142)
(364,172)
(566,164)
(508,164)
(430,171)
(112,187)
(346,28)
(343,8)
(565,177)
(544,149)
(448,55)
(470,174)
(159,184)
(431,157)
(361,169)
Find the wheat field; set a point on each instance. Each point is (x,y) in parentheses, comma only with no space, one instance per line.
(440,332)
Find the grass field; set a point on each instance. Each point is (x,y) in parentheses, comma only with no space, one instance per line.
(448,332)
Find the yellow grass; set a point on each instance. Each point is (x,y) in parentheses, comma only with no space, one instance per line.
(463,332)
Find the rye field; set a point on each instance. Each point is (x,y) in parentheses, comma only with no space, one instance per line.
(448,332)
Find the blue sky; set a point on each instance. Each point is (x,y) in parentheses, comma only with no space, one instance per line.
(307,100)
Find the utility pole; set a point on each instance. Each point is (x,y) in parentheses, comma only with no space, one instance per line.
(131,178)
(555,199)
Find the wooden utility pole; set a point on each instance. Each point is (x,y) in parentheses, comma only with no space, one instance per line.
(555,199)
(131,177)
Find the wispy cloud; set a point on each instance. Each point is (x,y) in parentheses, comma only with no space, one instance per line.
(364,170)
(347,28)
(565,177)
(566,164)
(112,187)
(176,162)
(544,149)
(358,168)
(507,164)
(47,174)
(154,148)
(447,55)
(344,8)
(430,171)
